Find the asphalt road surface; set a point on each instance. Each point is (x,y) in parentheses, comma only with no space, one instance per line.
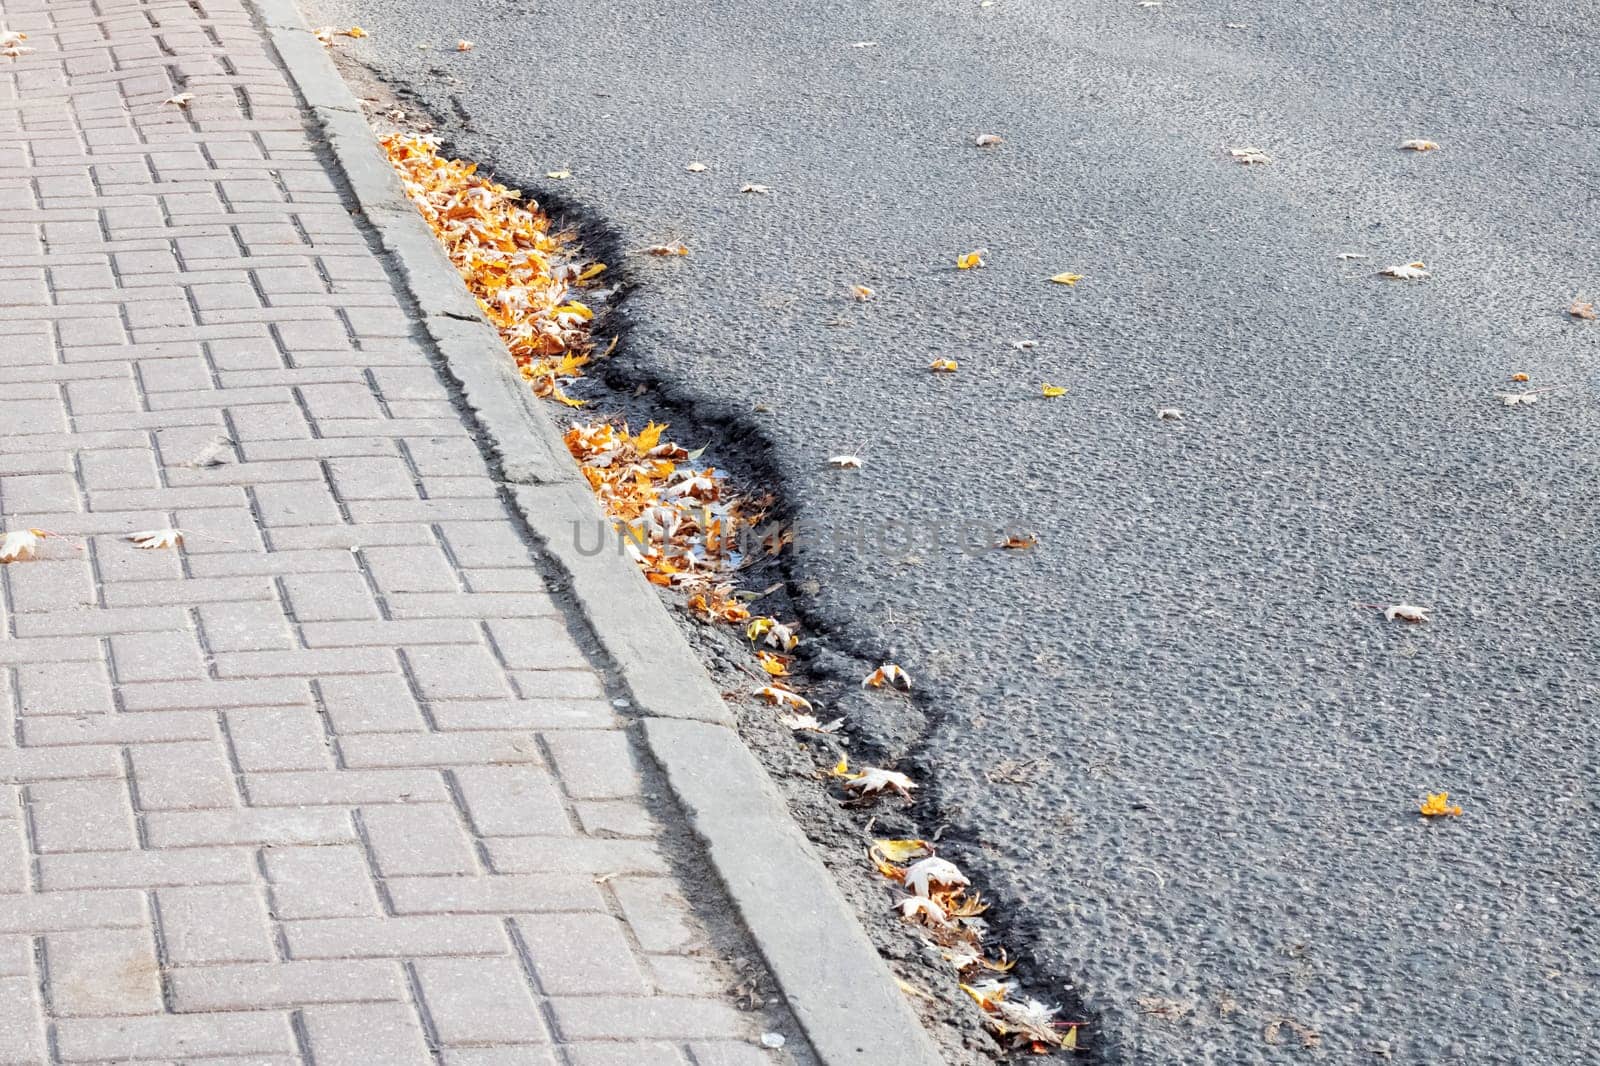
(1186,763)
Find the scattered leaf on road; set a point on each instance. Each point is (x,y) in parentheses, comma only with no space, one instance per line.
(1413,271)
(695,167)
(1169,414)
(558,175)
(1020,541)
(1249,156)
(1582,309)
(845,462)
(1406,612)
(873,779)
(664,250)
(760,190)
(861,294)
(1066,278)
(1052,391)
(943,366)
(1419,145)
(783,697)
(157,538)
(1519,377)
(1438,805)
(181,100)
(971,259)
(988,140)
(465,46)
(888,674)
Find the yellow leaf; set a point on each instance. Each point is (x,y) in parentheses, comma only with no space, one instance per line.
(464,46)
(355,31)
(676,248)
(1419,145)
(558,175)
(970,260)
(841,768)
(1066,278)
(902,850)
(1052,391)
(593,270)
(943,366)
(1519,377)
(1438,805)
(772,664)
(649,436)
(861,293)
(889,674)
(1021,541)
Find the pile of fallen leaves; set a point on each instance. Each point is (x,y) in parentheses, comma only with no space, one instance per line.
(520,270)
(686,529)
(678,521)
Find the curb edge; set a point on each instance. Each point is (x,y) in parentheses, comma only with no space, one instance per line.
(839,988)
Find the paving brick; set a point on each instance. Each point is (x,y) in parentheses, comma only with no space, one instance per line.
(626,1018)
(22,1033)
(301,662)
(595,764)
(581,954)
(81,816)
(512,801)
(277,985)
(329,597)
(438,749)
(624,1054)
(579,855)
(363,1034)
(278,739)
(178,695)
(658,914)
(523,1055)
(419,839)
(444,673)
(172,777)
(536,644)
(494,894)
(617,818)
(265,826)
(557,684)
(345,787)
(320,882)
(51,585)
(523,714)
(102,972)
(214,923)
(54,911)
(171,656)
(150,726)
(480,1001)
(413,569)
(183,1035)
(397,937)
(146,869)
(358,478)
(244,627)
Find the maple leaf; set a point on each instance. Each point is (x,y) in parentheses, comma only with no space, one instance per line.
(873,779)
(1419,145)
(901,850)
(1413,271)
(1067,278)
(805,723)
(924,910)
(987,994)
(943,366)
(21,544)
(156,538)
(1438,805)
(988,140)
(776,665)
(888,674)
(1519,376)
(1052,391)
(779,696)
(971,259)
(11,37)
(924,875)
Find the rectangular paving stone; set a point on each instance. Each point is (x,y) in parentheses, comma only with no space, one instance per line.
(102,972)
(214,923)
(480,1001)
(364,1034)
(185,1036)
(320,882)
(582,954)
(419,839)
(394,937)
(285,985)
(495,894)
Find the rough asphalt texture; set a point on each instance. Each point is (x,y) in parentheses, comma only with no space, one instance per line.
(1207,818)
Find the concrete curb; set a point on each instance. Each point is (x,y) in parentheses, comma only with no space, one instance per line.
(841,992)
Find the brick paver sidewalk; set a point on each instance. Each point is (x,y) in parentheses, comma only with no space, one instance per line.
(332,783)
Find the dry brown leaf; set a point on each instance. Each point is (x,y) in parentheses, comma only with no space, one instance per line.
(1020,541)
(779,696)
(1582,309)
(181,100)
(465,46)
(1406,612)
(156,538)
(861,293)
(944,366)
(845,462)
(21,544)
(873,779)
(664,250)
